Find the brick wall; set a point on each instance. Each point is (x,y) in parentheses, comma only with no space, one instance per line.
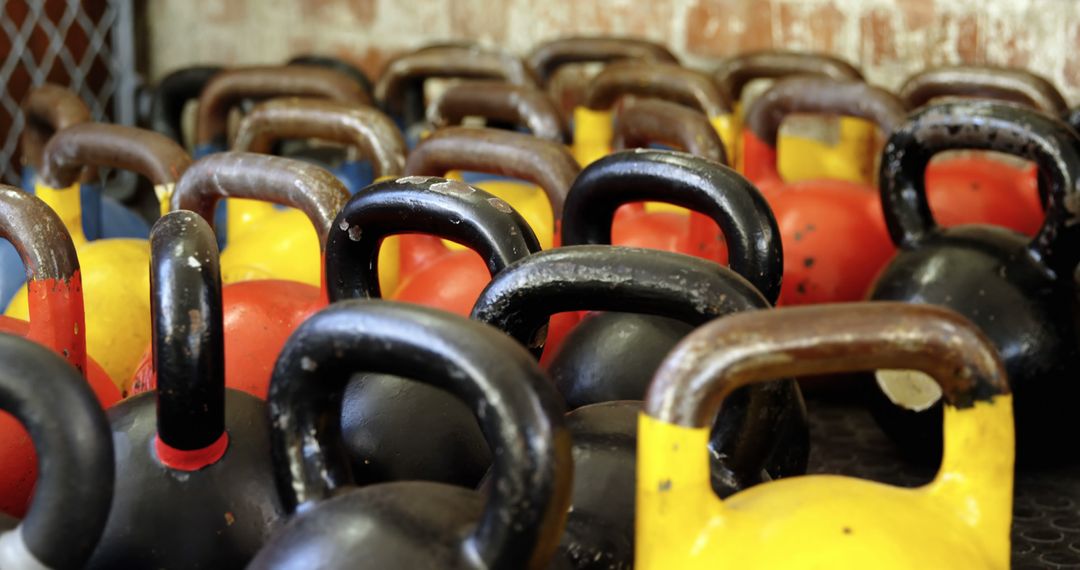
(889,39)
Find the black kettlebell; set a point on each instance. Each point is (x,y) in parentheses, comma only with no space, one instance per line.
(69,431)
(196,482)
(760,435)
(382,417)
(1020,291)
(611,356)
(415,524)
(172,93)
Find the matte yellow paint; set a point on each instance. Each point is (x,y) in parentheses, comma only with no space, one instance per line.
(592,135)
(959,520)
(726,127)
(850,159)
(65,202)
(527,199)
(240,213)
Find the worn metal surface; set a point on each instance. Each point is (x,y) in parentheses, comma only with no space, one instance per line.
(546,58)
(517,105)
(668,81)
(171,94)
(337,64)
(824,95)
(734,73)
(38,234)
(366,128)
(153,155)
(547,164)
(518,410)
(640,123)
(226,89)
(1002,83)
(312,190)
(47,109)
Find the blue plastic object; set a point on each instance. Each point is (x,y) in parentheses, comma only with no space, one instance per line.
(354,174)
(102,216)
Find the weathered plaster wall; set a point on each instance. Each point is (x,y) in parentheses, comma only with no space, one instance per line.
(889,39)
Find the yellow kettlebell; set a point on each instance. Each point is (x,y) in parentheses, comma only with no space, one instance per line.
(229,88)
(281,244)
(508,106)
(816,150)
(959,520)
(115,271)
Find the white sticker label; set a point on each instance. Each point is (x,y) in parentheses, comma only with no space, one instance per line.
(909,389)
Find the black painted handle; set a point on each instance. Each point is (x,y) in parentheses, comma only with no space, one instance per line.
(521,298)
(188,334)
(171,95)
(75,455)
(737,207)
(419,204)
(983,125)
(517,408)
(983,81)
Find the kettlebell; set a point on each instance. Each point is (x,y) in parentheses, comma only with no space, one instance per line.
(973,188)
(400,87)
(114,271)
(71,435)
(260,313)
(366,130)
(502,105)
(761,435)
(56,322)
(415,524)
(802,158)
(668,81)
(171,95)
(1019,291)
(959,520)
(381,415)
(198,486)
(338,65)
(835,240)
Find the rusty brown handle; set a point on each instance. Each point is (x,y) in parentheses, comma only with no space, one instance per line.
(466,62)
(362,126)
(313,190)
(643,122)
(38,234)
(228,88)
(547,164)
(759,346)
(824,95)
(548,57)
(1001,83)
(667,81)
(518,105)
(734,73)
(153,155)
(47,109)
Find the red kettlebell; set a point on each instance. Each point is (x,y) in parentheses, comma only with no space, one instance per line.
(640,123)
(57,322)
(834,236)
(48,397)
(974,188)
(259,315)
(500,104)
(562,65)
(196,487)
(452,280)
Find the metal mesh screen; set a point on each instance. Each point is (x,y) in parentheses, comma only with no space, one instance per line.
(84,45)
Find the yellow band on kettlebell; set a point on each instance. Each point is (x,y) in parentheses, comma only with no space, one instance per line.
(725,127)
(164,196)
(592,134)
(66,203)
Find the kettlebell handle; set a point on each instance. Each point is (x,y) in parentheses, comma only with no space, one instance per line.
(517,105)
(448,209)
(361,126)
(983,125)
(548,57)
(74,445)
(547,164)
(171,95)
(513,401)
(54,283)
(983,81)
(464,61)
(228,88)
(47,109)
(293,183)
(152,155)
(753,347)
(640,123)
(336,64)
(735,73)
(667,81)
(710,188)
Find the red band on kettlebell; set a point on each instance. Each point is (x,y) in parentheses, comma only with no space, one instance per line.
(193,459)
